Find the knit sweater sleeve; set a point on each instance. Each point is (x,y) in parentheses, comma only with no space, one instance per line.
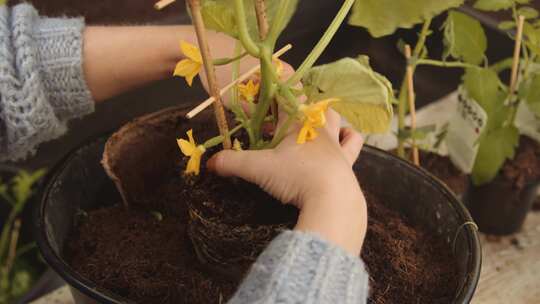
(41,79)
(300,267)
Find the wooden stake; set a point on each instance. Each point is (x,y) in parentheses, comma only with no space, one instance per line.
(205,104)
(262,20)
(517,52)
(412,106)
(163,3)
(195,7)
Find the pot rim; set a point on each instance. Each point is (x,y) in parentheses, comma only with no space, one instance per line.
(90,289)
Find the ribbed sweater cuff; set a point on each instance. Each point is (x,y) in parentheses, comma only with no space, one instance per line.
(60,44)
(299,267)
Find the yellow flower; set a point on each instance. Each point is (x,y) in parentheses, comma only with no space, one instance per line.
(190,148)
(237,145)
(313,117)
(191,66)
(249,90)
(279,66)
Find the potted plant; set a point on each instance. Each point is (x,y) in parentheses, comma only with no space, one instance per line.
(17,272)
(191,236)
(464,40)
(506,169)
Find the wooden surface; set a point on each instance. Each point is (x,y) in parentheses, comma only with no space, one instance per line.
(510,269)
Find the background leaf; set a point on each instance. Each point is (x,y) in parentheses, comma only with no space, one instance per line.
(384,17)
(219,15)
(365,96)
(496,146)
(464,38)
(493,5)
(527,12)
(530,92)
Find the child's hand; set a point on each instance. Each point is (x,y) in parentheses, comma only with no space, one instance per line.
(316,177)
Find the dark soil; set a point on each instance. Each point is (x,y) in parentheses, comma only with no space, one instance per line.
(525,167)
(443,168)
(407,264)
(147,260)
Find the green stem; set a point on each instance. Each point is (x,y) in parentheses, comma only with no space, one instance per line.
(502,65)
(249,45)
(282,131)
(225,61)
(268,89)
(277,24)
(322,44)
(212,142)
(445,64)
(402,106)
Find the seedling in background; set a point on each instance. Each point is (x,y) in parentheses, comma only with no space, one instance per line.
(464,41)
(15,275)
(507,105)
(348,86)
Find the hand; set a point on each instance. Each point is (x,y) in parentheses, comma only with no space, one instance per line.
(317,177)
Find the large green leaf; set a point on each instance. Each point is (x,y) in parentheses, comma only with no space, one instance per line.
(219,15)
(384,17)
(495,147)
(493,5)
(365,97)
(482,85)
(530,92)
(464,38)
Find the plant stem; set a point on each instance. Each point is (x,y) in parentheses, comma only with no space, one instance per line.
(402,105)
(266,95)
(277,24)
(225,61)
(219,111)
(248,43)
(212,142)
(445,64)
(322,44)
(13,245)
(282,131)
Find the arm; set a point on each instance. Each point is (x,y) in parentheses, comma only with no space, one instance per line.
(54,69)
(319,261)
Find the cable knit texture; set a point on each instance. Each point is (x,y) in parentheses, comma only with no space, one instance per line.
(41,79)
(300,267)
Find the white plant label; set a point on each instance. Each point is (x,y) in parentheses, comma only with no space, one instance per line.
(464,130)
(527,122)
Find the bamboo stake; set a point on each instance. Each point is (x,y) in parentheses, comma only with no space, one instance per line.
(262,20)
(205,104)
(517,52)
(195,6)
(412,106)
(163,3)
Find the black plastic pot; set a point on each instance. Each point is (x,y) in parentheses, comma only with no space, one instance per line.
(499,208)
(81,183)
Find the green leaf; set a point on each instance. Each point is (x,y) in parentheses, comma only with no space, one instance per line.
(464,38)
(418,134)
(493,5)
(365,96)
(532,35)
(527,12)
(220,16)
(507,25)
(530,91)
(384,17)
(23,183)
(495,147)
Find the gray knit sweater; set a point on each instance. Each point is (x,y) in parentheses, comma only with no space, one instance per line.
(42,87)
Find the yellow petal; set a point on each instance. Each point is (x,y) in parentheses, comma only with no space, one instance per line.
(237,145)
(249,90)
(191,51)
(190,136)
(302,136)
(194,163)
(186,147)
(279,66)
(188,69)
